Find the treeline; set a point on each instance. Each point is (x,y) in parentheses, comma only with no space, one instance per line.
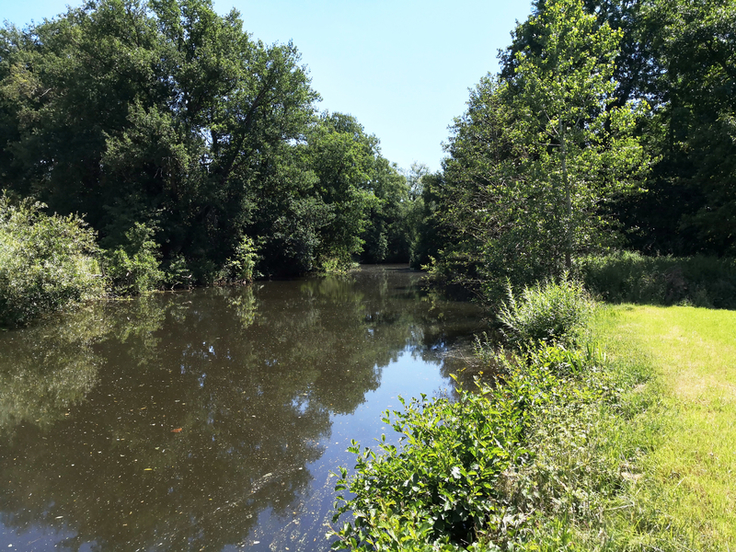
(609,126)
(197,154)
(181,139)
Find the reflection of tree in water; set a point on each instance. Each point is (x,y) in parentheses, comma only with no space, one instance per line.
(45,370)
(250,377)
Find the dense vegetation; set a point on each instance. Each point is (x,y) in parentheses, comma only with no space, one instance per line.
(609,126)
(197,153)
(523,465)
(165,119)
(46,263)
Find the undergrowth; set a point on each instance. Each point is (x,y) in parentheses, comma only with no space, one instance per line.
(550,312)
(627,277)
(550,456)
(47,263)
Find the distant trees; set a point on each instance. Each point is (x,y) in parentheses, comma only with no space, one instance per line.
(167,115)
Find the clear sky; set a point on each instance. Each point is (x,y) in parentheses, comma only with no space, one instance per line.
(401,67)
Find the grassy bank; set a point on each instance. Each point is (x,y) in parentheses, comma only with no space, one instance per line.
(687,482)
(575,450)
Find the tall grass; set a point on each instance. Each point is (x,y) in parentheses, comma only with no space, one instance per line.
(626,277)
(549,312)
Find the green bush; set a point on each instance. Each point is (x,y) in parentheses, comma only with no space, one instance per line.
(134,268)
(633,278)
(551,312)
(458,479)
(177,273)
(438,486)
(241,267)
(47,263)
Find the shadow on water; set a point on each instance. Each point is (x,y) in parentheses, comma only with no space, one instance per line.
(207,420)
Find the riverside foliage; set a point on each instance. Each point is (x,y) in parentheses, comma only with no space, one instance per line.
(609,126)
(166,118)
(46,262)
(484,472)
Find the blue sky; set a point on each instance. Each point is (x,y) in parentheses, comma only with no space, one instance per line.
(401,67)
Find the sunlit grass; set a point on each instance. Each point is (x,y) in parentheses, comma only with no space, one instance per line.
(690,475)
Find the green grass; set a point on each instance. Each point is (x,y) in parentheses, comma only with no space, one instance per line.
(687,485)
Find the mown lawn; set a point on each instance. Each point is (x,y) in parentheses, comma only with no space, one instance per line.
(689,476)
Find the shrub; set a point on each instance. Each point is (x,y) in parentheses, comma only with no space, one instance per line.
(551,312)
(631,277)
(437,487)
(242,265)
(450,484)
(134,268)
(47,262)
(177,273)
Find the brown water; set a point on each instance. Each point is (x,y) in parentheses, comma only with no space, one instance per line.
(210,420)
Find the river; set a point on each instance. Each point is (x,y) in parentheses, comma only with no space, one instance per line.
(211,419)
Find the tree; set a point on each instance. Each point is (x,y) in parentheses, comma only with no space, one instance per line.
(539,153)
(164,114)
(343,158)
(700,56)
(571,142)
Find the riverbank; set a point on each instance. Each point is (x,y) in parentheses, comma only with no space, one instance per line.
(625,445)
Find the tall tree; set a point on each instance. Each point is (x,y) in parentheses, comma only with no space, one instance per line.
(539,152)
(568,137)
(163,113)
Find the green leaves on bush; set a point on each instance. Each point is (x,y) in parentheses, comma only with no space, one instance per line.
(442,485)
(47,263)
(465,475)
(551,312)
(484,472)
(134,268)
(242,265)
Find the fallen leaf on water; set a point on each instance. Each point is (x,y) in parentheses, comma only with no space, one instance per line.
(177,430)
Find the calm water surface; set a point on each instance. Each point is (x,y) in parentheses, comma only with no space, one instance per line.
(210,420)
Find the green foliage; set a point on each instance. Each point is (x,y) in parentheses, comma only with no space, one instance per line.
(633,278)
(551,312)
(134,268)
(469,474)
(164,114)
(343,159)
(538,153)
(177,273)
(170,115)
(441,481)
(242,265)
(47,263)
(563,438)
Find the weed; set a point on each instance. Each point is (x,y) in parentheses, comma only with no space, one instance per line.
(550,312)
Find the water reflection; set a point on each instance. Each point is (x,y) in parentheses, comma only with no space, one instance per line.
(187,421)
